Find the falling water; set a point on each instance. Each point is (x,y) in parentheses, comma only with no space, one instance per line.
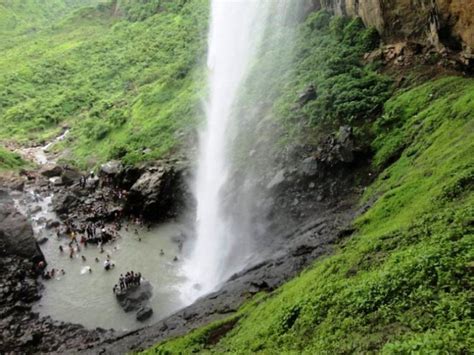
(236,32)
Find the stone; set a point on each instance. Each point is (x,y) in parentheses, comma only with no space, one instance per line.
(144,313)
(158,194)
(56,181)
(111,168)
(63,203)
(307,95)
(346,144)
(277,180)
(70,176)
(16,233)
(135,297)
(52,224)
(309,167)
(42,240)
(35,209)
(51,170)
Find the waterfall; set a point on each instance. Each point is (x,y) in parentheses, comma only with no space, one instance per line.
(222,246)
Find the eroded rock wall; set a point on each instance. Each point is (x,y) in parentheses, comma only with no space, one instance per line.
(441,23)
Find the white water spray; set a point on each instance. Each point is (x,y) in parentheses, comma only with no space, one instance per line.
(237,28)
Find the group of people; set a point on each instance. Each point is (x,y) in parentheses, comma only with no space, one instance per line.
(47,275)
(130,279)
(92,235)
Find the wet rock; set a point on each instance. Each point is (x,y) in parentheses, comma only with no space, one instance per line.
(111,168)
(307,95)
(52,224)
(158,193)
(346,144)
(277,180)
(42,240)
(35,209)
(129,176)
(51,170)
(70,176)
(135,297)
(56,181)
(144,313)
(16,233)
(63,203)
(309,167)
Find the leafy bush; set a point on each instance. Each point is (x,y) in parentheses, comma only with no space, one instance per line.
(9,160)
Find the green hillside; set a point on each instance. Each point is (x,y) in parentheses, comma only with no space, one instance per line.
(401,284)
(25,17)
(123,86)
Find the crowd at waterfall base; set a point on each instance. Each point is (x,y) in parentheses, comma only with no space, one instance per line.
(85,226)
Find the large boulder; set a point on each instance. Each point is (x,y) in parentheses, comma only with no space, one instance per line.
(144,313)
(63,203)
(135,297)
(345,147)
(158,193)
(111,168)
(51,170)
(129,176)
(16,233)
(70,176)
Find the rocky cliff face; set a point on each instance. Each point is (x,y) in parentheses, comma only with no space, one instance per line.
(443,24)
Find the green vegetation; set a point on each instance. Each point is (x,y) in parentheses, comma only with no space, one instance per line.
(329,53)
(25,17)
(325,54)
(402,283)
(128,89)
(9,160)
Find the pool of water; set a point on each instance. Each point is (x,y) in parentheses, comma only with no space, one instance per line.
(85,297)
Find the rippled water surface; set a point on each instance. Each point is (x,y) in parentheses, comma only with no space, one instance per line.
(87,298)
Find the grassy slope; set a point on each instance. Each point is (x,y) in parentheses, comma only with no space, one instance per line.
(9,160)
(24,17)
(402,282)
(123,86)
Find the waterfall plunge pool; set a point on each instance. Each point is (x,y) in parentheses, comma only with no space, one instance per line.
(87,298)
